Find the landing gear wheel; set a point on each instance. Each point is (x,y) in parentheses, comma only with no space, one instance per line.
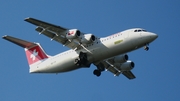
(146,48)
(97,72)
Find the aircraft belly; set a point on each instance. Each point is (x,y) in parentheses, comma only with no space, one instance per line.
(99,53)
(110,49)
(60,64)
(65,67)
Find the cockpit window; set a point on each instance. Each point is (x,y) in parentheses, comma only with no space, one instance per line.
(140,30)
(144,30)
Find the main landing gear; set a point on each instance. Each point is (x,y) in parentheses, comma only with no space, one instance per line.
(82,60)
(146,47)
(97,72)
(99,69)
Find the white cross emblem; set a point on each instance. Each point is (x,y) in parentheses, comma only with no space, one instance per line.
(34,54)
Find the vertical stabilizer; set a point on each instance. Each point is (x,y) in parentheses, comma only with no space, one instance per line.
(35,54)
(34,51)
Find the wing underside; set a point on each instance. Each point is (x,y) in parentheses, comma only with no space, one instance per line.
(52,31)
(109,66)
(129,74)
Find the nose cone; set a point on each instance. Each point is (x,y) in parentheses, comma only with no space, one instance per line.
(153,36)
(148,36)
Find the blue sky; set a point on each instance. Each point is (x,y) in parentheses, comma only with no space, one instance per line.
(157,70)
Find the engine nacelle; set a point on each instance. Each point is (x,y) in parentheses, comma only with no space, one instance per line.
(88,38)
(127,66)
(73,34)
(121,58)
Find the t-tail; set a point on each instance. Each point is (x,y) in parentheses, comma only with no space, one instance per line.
(34,52)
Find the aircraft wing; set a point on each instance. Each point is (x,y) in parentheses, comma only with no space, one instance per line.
(52,31)
(129,74)
(109,66)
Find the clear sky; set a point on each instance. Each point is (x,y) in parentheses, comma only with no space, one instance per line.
(157,71)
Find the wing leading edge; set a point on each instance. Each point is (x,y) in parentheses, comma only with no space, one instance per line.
(45,25)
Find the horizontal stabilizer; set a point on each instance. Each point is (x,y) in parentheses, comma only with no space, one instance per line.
(19,42)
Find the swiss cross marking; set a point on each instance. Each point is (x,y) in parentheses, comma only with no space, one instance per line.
(34,54)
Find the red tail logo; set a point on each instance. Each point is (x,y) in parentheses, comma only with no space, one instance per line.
(35,54)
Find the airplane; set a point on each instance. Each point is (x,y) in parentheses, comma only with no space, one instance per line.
(106,53)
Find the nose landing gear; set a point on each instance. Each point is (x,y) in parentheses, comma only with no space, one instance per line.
(146,47)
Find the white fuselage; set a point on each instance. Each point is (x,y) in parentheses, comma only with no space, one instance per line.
(101,49)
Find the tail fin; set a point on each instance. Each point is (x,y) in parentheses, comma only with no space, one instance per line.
(35,54)
(34,51)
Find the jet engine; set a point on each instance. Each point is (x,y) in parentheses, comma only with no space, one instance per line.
(88,38)
(73,34)
(127,66)
(121,58)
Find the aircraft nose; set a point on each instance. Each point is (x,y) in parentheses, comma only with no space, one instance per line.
(153,36)
(149,36)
